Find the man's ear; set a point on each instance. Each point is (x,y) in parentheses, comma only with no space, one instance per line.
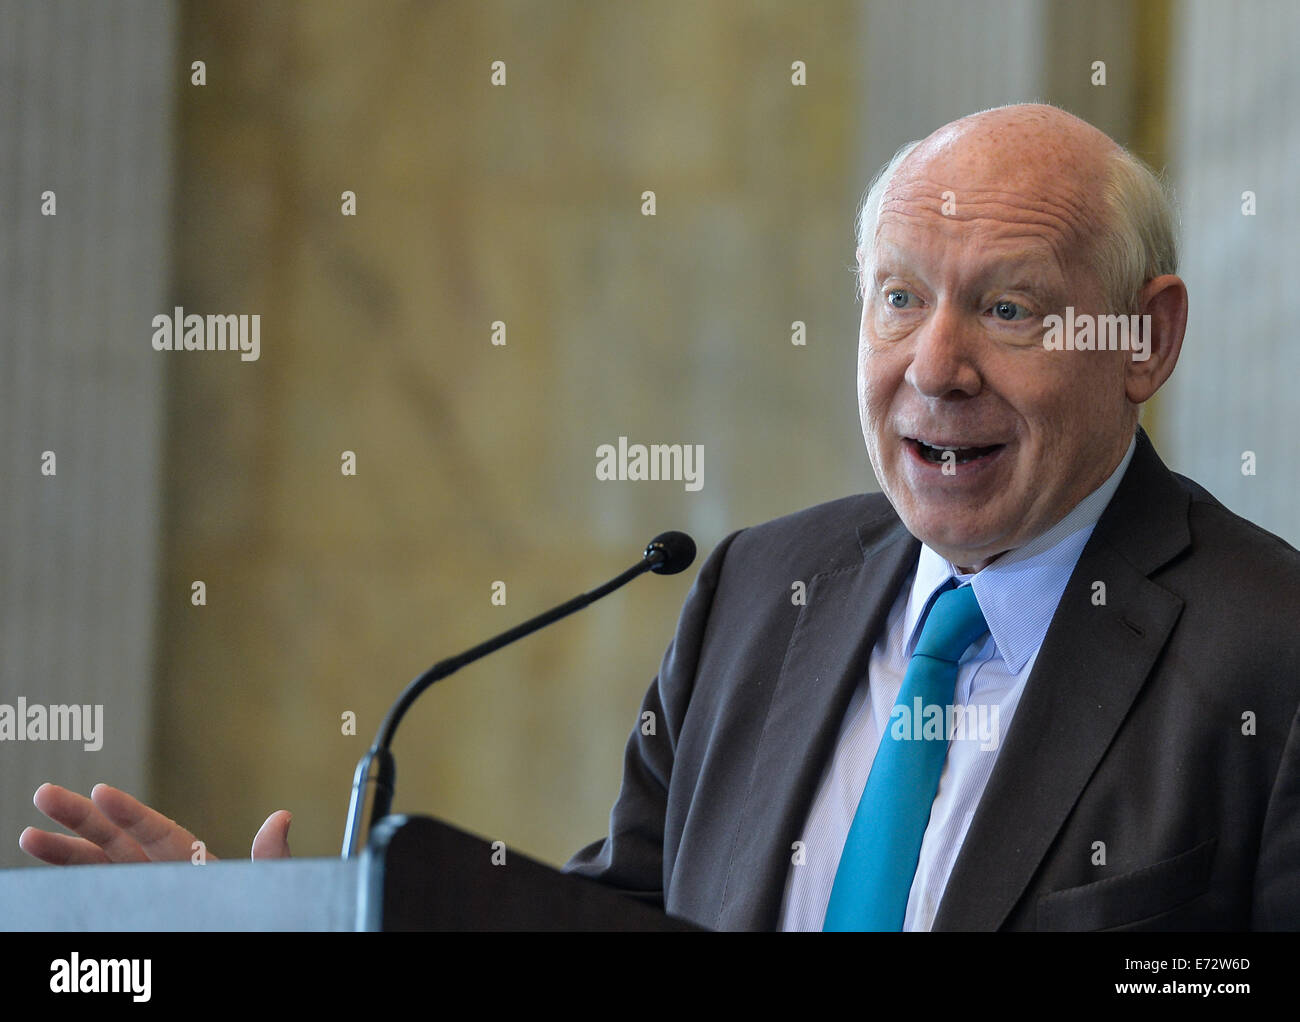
(1164,299)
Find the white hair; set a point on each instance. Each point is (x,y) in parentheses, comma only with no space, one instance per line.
(1137,240)
(869,214)
(1139,237)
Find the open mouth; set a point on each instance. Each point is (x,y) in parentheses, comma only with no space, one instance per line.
(938,454)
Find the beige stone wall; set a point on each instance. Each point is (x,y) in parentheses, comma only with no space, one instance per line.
(476,463)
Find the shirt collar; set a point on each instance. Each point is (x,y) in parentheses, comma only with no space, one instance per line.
(1018,593)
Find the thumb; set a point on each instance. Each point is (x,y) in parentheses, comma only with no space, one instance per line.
(272,841)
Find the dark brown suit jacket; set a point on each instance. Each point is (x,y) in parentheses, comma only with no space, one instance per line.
(1133,729)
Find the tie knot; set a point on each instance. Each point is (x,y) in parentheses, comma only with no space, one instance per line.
(954,622)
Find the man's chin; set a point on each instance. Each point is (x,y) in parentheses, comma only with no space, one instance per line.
(967,548)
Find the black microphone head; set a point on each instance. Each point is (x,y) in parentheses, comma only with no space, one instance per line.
(673,551)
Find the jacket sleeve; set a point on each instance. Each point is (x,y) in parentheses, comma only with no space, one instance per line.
(1277,876)
(636,857)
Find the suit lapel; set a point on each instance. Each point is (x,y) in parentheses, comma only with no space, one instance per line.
(1090,668)
(826,658)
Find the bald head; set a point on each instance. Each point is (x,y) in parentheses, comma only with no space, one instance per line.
(1026,143)
(1109,208)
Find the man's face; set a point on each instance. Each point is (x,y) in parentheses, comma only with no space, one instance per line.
(951,355)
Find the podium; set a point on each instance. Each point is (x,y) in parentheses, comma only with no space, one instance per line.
(416,873)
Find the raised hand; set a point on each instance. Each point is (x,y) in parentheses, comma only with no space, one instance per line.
(114,827)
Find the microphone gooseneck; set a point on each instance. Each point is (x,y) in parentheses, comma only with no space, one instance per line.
(666,554)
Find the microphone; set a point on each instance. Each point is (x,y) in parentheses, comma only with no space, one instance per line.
(670,552)
(666,554)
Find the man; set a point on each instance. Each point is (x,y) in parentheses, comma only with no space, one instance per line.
(1117,644)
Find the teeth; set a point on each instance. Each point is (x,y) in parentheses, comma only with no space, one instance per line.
(936,453)
(934,447)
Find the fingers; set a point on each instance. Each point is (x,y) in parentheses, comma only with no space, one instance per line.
(114,827)
(80,815)
(272,840)
(111,827)
(61,850)
(158,837)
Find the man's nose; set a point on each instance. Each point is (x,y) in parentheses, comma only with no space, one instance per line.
(943,355)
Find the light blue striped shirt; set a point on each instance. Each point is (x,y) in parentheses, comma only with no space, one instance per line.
(1018,595)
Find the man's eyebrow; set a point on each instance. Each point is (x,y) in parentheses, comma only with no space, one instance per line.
(886,263)
(1031,264)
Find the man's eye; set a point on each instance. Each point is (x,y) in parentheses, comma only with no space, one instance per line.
(1010,311)
(897,297)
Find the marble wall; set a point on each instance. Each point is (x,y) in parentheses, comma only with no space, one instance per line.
(86,140)
(1230,408)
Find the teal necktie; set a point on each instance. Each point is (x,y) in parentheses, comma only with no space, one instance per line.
(874,877)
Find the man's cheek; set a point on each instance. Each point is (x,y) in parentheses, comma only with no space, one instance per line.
(875,418)
(879,377)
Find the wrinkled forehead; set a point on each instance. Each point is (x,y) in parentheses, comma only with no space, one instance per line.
(990,200)
(1004,177)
